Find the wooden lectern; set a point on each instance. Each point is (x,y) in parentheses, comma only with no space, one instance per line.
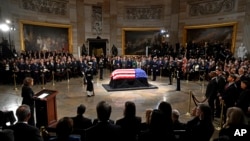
(45,105)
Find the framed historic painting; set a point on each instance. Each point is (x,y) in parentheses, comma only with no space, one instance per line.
(136,40)
(36,36)
(222,33)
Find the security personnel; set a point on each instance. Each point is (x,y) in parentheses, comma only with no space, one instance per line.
(154,68)
(89,77)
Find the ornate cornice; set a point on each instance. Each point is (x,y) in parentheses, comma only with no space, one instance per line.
(211,7)
(144,13)
(57,7)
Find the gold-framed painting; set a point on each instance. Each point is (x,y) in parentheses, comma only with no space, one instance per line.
(223,33)
(38,36)
(136,40)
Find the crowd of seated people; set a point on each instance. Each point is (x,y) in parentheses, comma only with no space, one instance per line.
(161,123)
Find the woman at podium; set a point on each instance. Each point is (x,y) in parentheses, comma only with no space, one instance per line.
(28,97)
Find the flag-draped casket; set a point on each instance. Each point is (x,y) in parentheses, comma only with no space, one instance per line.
(124,78)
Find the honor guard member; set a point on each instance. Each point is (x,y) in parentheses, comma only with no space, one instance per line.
(101,66)
(89,78)
(171,67)
(154,68)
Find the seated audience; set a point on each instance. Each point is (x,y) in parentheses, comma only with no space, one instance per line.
(145,125)
(201,126)
(166,109)
(235,121)
(64,130)
(177,125)
(22,130)
(7,135)
(158,131)
(130,123)
(103,129)
(79,121)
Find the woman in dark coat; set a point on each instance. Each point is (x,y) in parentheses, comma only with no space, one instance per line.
(28,97)
(201,126)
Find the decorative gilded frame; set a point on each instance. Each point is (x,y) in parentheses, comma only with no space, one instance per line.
(212,31)
(65,29)
(137,35)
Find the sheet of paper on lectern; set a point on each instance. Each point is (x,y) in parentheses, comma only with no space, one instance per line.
(43,95)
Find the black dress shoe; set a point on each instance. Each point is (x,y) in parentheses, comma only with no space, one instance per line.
(170,84)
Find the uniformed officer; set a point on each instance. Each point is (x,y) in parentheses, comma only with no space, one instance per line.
(154,68)
(89,78)
(101,66)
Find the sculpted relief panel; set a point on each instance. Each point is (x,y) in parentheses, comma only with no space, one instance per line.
(46,6)
(211,7)
(144,13)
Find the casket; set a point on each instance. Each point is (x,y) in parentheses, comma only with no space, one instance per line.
(125,78)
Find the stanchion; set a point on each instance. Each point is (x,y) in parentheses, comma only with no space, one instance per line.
(14,77)
(189,104)
(221,116)
(187,77)
(160,72)
(174,74)
(53,78)
(43,81)
(68,75)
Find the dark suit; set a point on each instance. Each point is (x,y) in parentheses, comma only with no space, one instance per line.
(244,101)
(27,94)
(130,127)
(211,93)
(81,122)
(104,131)
(25,132)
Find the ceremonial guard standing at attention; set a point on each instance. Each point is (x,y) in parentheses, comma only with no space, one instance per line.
(89,78)
(101,66)
(154,68)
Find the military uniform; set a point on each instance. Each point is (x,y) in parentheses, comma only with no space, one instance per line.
(89,78)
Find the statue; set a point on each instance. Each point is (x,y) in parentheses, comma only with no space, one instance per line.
(114,51)
(242,51)
(84,50)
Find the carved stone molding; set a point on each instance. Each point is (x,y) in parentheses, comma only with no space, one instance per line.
(144,13)
(211,7)
(57,7)
(97,20)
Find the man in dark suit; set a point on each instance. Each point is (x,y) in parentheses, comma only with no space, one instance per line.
(211,91)
(103,129)
(22,130)
(79,121)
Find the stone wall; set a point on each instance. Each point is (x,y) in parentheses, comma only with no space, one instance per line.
(116,15)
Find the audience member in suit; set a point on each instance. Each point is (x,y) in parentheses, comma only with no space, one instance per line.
(201,126)
(177,124)
(130,123)
(221,82)
(28,97)
(235,121)
(158,130)
(22,130)
(244,100)
(79,121)
(7,135)
(64,130)
(145,125)
(103,130)
(211,91)
(230,94)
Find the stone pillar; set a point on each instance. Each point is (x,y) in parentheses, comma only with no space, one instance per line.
(246,31)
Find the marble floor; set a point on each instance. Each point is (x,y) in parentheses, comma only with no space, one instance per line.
(72,93)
